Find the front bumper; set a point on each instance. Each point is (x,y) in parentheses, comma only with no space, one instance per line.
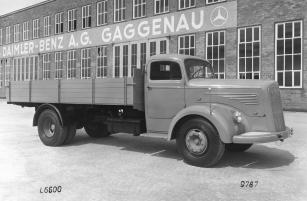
(262,137)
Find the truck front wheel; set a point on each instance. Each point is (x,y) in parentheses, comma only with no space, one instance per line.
(96,130)
(50,130)
(232,147)
(199,143)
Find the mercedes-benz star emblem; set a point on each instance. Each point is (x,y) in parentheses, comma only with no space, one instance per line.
(219,16)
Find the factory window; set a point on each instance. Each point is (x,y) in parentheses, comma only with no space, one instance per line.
(36,28)
(59,24)
(161,6)
(25,68)
(102,13)
(136,53)
(139,8)
(86,17)
(8,35)
(86,63)
(1,36)
(47,26)
(288,54)
(58,65)
(1,69)
(16,33)
(71,64)
(46,66)
(186,44)
(7,68)
(25,31)
(102,62)
(215,46)
(214,1)
(120,10)
(184,4)
(72,20)
(249,53)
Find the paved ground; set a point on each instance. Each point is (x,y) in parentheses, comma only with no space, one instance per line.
(123,167)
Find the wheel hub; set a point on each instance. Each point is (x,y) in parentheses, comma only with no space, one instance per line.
(49,127)
(196,141)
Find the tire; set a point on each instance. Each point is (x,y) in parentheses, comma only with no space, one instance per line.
(232,147)
(50,130)
(71,133)
(97,130)
(189,141)
(80,125)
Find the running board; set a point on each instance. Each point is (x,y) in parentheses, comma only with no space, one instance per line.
(154,135)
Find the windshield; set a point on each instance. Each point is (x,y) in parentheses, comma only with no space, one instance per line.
(198,69)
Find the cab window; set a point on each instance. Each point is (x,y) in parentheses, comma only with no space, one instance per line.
(165,70)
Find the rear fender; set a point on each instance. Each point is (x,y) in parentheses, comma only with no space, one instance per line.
(221,118)
(42,108)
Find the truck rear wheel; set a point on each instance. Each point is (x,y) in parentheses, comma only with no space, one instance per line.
(97,130)
(50,130)
(232,147)
(71,133)
(199,143)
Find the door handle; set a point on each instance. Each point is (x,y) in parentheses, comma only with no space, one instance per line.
(149,88)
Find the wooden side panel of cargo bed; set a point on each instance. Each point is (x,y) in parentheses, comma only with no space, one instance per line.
(21,92)
(109,91)
(44,91)
(78,91)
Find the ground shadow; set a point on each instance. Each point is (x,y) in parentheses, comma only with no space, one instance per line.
(257,157)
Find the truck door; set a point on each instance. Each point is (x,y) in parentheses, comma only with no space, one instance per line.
(165,89)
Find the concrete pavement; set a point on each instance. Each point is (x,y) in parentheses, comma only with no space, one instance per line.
(123,167)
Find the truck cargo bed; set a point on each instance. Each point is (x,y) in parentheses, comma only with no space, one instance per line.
(128,91)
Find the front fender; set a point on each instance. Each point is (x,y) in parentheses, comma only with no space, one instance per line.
(220,117)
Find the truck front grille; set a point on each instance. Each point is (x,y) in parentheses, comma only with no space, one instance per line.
(277,110)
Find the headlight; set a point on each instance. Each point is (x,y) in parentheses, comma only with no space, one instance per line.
(238,116)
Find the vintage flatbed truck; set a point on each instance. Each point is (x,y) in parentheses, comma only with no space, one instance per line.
(175,96)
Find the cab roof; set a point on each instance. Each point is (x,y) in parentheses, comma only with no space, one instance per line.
(180,57)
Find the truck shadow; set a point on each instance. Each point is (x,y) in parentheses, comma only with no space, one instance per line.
(257,157)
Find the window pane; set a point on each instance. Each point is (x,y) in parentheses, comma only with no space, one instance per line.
(242,35)
(242,50)
(256,49)
(297,29)
(256,64)
(289,30)
(288,46)
(280,79)
(241,65)
(249,34)
(209,52)
(297,45)
(288,62)
(256,34)
(222,66)
(280,29)
(280,47)
(280,63)
(215,38)
(222,38)
(297,78)
(210,39)
(222,52)
(288,79)
(249,64)
(297,62)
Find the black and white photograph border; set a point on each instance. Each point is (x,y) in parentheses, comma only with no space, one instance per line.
(68,65)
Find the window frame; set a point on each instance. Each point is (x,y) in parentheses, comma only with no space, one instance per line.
(73,20)
(47,25)
(179,3)
(46,66)
(121,10)
(218,1)
(103,13)
(59,23)
(87,61)
(218,45)
(71,64)
(7,71)
(58,61)
(155,7)
(252,57)
(8,35)
(190,35)
(88,18)
(292,54)
(139,6)
(104,67)
(1,69)
(16,33)
(25,31)
(1,36)
(36,28)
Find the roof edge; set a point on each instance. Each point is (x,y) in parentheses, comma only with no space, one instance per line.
(27,8)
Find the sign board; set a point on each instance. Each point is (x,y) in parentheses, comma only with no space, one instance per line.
(220,16)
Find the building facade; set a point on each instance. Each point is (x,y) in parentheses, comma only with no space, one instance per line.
(95,39)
